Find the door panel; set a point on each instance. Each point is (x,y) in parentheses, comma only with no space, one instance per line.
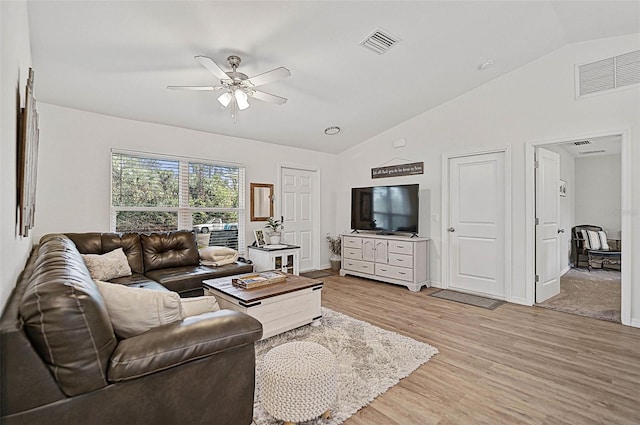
(297,206)
(477,224)
(547,214)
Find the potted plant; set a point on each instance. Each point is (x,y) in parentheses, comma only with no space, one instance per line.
(335,245)
(275,227)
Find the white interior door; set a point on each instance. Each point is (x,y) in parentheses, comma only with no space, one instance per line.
(476,229)
(547,224)
(297,208)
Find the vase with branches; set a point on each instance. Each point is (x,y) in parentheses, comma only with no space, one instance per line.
(335,245)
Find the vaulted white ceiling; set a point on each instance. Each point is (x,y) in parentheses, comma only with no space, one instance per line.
(117,58)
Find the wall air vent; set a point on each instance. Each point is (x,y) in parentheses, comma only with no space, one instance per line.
(582,142)
(592,152)
(608,74)
(380,41)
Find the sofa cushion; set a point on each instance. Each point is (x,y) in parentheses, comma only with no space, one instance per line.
(187,281)
(168,250)
(194,306)
(66,318)
(136,310)
(99,243)
(181,342)
(107,266)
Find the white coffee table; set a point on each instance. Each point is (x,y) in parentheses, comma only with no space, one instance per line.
(279,306)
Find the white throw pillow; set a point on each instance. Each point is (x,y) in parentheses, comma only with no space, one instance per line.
(585,237)
(194,306)
(137,310)
(214,253)
(107,266)
(594,239)
(604,244)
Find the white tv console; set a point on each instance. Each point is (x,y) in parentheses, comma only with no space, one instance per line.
(401,260)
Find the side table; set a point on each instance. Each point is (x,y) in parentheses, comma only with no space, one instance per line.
(275,257)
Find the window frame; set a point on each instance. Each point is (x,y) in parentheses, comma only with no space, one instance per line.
(184,211)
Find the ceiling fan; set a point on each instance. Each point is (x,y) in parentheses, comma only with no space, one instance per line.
(237,87)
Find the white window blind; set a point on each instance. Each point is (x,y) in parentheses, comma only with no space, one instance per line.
(158,193)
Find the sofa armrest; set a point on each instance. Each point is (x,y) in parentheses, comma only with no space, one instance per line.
(180,342)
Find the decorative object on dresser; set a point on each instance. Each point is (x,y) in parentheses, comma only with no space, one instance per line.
(335,245)
(401,260)
(275,257)
(280,307)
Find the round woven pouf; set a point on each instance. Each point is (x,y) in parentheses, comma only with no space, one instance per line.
(298,381)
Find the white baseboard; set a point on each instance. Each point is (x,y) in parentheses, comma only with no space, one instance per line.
(563,271)
(635,323)
(435,284)
(518,300)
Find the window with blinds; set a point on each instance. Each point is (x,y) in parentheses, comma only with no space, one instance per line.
(157,193)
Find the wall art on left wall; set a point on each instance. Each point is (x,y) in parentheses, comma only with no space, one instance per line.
(27,158)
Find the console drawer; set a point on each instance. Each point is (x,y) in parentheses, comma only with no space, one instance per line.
(400,247)
(358,266)
(401,260)
(394,272)
(351,242)
(352,253)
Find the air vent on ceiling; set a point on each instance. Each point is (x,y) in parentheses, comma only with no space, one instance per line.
(592,152)
(609,74)
(380,41)
(582,142)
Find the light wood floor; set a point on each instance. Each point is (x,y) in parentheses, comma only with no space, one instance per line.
(512,365)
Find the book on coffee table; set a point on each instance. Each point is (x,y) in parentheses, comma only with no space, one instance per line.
(254,280)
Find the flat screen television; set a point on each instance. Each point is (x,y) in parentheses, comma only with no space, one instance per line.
(385,209)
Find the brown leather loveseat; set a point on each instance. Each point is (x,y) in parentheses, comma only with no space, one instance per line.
(62,363)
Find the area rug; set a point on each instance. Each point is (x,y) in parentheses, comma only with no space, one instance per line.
(592,294)
(370,361)
(474,300)
(315,274)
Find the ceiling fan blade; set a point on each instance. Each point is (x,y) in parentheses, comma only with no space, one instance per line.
(192,88)
(266,97)
(269,76)
(213,67)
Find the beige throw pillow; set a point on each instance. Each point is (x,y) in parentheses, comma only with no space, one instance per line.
(137,310)
(107,266)
(194,306)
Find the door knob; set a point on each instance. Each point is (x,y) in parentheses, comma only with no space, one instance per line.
(451,229)
(560,230)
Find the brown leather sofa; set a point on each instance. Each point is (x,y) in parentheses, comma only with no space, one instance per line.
(158,260)
(62,363)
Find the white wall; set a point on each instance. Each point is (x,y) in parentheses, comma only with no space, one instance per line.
(15,59)
(598,196)
(534,103)
(74,174)
(567,203)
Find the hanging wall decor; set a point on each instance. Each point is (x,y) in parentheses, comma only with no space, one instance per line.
(397,170)
(27,160)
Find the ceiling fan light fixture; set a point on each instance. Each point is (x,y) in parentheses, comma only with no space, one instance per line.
(225,99)
(241,99)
